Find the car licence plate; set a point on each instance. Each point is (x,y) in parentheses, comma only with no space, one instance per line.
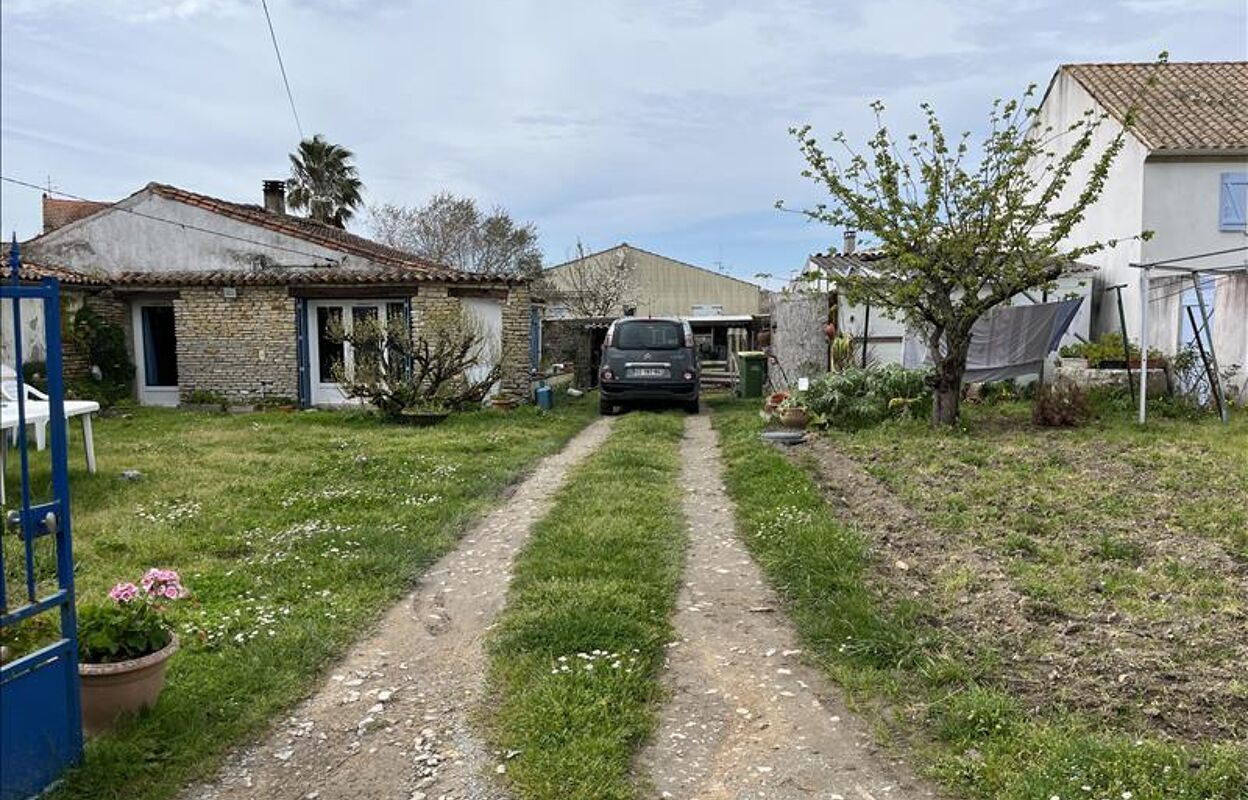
(647,372)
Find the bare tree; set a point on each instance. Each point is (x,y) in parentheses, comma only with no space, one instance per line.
(594,285)
(454,231)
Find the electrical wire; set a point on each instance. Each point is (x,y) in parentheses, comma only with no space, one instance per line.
(1166,261)
(282,66)
(1185,287)
(183,225)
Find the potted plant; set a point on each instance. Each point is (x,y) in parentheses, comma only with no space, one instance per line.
(424,414)
(774,400)
(124,647)
(504,401)
(793,413)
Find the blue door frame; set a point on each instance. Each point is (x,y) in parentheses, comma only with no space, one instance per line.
(40,707)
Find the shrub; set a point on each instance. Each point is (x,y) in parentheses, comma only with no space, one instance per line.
(858,397)
(1063,404)
(1107,348)
(112,371)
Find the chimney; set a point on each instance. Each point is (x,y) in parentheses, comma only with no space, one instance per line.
(275,197)
(851,239)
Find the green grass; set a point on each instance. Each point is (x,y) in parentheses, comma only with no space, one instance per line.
(574,660)
(903,666)
(292,531)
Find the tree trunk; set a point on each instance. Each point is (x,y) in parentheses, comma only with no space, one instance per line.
(946,403)
(947,385)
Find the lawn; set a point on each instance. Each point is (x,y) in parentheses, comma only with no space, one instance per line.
(293,531)
(576,655)
(1040,613)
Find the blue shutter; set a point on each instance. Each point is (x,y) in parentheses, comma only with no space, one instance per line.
(1233,208)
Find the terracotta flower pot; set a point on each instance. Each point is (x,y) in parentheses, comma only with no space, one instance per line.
(111,690)
(797,418)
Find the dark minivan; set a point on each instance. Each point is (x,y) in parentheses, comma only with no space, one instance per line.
(648,360)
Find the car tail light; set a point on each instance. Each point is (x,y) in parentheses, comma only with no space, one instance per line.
(608,375)
(688,375)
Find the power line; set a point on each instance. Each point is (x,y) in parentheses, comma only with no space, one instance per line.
(184,225)
(1163,262)
(282,66)
(1186,287)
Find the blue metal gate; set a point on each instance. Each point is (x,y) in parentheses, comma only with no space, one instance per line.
(40,708)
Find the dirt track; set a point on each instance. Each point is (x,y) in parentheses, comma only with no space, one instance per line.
(392,721)
(747,718)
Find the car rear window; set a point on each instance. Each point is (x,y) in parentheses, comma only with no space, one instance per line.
(649,336)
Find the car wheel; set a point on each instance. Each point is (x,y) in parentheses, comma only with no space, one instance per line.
(692,407)
(605,408)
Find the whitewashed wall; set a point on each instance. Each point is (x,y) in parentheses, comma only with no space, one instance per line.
(1117,214)
(33,347)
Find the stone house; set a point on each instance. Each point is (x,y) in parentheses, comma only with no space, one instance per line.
(237,300)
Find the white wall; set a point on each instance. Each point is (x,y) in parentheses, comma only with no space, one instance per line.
(119,241)
(33,347)
(1117,214)
(1181,198)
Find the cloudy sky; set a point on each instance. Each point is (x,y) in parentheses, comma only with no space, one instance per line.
(659,122)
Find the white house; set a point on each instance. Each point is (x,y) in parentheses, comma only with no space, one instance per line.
(1183,175)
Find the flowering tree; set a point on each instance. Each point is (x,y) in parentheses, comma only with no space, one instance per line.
(961,238)
(397,371)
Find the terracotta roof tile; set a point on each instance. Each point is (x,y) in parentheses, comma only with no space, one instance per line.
(1193,106)
(58,213)
(294,276)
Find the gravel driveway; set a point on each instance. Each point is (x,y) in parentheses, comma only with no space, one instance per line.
(392,720)
(747,718)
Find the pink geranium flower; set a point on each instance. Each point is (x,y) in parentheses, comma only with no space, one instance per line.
(124,592)
(163,583)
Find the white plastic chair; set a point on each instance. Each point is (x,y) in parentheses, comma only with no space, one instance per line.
(38,413)
(35,416)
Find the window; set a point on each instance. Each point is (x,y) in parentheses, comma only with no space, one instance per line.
(649,336)
(1233,206)
(328,346)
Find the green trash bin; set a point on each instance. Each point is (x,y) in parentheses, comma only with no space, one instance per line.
(753,366)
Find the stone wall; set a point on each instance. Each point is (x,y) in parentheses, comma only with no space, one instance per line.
(241,348)
(108,307)
(800,345)
(515,353)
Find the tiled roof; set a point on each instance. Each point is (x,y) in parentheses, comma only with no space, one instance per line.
(414,267)
(295,276)
(838,262)
(58,212)
(1193,106)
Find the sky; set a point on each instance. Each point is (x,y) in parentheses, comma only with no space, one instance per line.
(662,123)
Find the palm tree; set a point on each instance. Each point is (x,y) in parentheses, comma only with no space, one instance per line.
(323,180)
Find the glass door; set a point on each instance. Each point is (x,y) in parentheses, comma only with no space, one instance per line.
(156,353)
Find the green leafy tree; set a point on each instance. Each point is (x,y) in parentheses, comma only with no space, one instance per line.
(960,238)
(324,181)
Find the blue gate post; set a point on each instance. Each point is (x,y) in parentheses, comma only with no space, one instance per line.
(40,704)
